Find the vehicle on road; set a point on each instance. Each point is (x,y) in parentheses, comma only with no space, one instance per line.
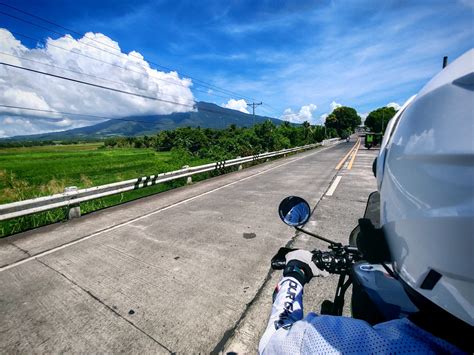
(372,139)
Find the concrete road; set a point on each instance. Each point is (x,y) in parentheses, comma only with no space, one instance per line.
(334,217)
(175,272)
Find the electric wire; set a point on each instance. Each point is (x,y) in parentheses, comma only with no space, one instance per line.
(111,64)
(108,88)
(196,80)
(77,72)
(74,114)
(82,73)
(96,85)
(70,114)
(271,111)
(96,59)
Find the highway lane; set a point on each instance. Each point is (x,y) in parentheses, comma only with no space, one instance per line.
(170,273)
(334,217)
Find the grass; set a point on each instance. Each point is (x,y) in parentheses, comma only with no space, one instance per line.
(39,171)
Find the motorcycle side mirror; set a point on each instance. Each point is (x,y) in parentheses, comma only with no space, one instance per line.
(294,211)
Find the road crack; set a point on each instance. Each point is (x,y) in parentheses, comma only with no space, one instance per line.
(96,298)
(21,249)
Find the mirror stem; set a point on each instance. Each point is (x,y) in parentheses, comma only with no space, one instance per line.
(317,236)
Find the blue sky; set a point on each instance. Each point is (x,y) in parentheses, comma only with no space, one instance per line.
(288,54)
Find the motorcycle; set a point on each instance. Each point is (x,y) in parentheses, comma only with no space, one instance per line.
(377,295)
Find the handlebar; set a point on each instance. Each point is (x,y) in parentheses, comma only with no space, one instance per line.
(336,261)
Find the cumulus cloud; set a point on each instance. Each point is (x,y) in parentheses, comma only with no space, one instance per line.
(363,116)
(304,114)
(22,88)
(394,105)
(335,105)
(239,105)
(322,118)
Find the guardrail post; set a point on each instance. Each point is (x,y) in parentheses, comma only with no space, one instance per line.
(189,179)
(74,209)
(72,196)
(240,167)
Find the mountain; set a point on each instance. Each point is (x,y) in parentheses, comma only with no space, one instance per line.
(208,115)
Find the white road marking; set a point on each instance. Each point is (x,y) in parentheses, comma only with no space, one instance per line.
(50,251)
(334,185)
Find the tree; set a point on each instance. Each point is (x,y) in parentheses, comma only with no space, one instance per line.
(307,129)
(343,118)
(377,120)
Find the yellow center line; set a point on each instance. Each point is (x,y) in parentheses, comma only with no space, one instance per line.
(339,165)
(349,167)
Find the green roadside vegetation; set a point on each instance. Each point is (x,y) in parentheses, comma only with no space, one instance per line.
(377,120)
(33,171)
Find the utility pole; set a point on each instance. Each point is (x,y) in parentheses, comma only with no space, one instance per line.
(254,104)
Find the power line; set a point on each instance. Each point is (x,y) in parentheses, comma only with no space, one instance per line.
(78,114)
(70,113)
(95,85)
(272,107)
(111,64)
(203,83)
(270,112)
(96,59)
(106,87)
(89,75)
(76,72)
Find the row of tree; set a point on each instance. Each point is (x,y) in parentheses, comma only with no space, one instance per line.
(378,119)
(345,119)
(17,144)
(230,142)
(233,141)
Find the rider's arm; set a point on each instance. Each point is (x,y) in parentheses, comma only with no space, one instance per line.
(287,308)
(288,296)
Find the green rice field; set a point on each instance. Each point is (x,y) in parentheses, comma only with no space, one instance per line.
(39,171)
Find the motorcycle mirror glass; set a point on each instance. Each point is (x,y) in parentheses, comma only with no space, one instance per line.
(294,211)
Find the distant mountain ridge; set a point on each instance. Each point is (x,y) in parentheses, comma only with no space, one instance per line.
(208,115)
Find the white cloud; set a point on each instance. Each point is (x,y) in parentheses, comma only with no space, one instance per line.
(335,105)
(394,105)
(304,114)
(22,88)
(239,105)
(363,116)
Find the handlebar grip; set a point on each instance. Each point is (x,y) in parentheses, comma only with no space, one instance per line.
(279,261)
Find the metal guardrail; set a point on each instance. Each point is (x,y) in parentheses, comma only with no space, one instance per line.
(72,197)
(330,141)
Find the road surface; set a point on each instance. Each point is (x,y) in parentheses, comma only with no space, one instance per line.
(180,271)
